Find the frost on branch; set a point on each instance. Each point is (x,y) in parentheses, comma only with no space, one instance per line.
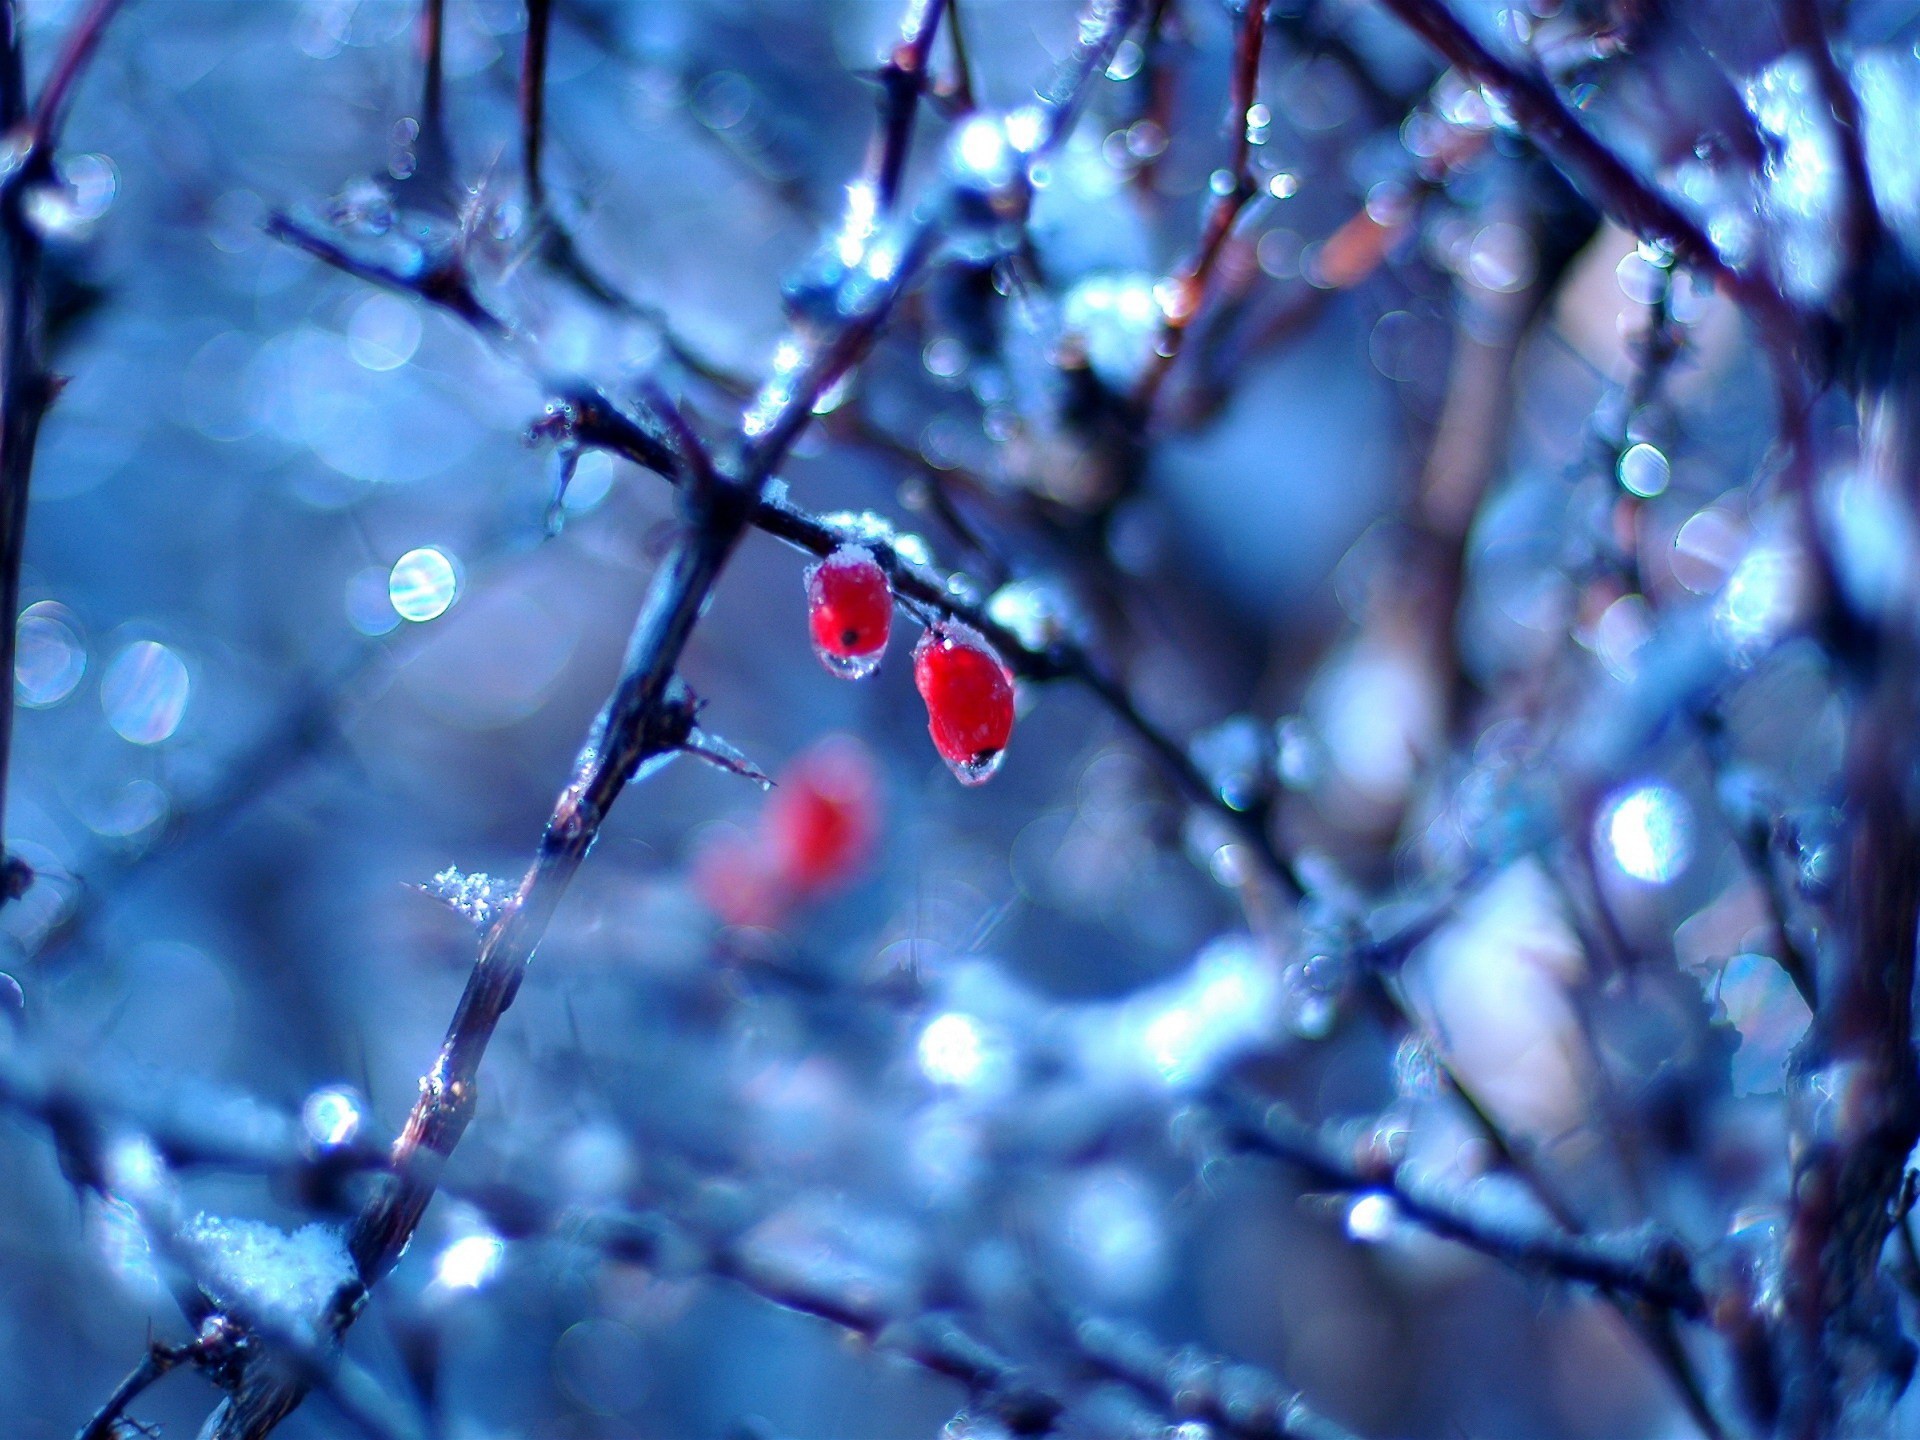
(263,1272)
(478,897)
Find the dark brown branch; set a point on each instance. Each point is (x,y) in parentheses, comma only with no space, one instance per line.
(533,100)
(903,81)
(1654,1270)
(433,153)
(1190,286)
(108,1423)
(27,387)
(1605,178)
(1186,1385)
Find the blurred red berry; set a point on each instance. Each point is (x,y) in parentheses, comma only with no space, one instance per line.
(815,836)
(849,611)
(969,695)
(824,815)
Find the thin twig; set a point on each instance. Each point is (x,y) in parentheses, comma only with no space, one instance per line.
(1655,1270)
(1188,291)
(1608,181)
(903,81)
(27,387)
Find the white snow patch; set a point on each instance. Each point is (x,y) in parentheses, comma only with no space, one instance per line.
(265,1273)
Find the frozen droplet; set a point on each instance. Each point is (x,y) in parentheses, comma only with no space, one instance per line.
(92,181)
(423,584)
(331,1116)
(1644,470)
(850,667)
(1706,549)
(909,549)
(944,357)
(469,1262)
(979,769)
(144,692)
(48,658)
(1128,57)
(1235,758)
(589,484)
(1649,833)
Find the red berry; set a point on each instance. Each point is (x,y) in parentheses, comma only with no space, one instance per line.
(823,817)
(849,611)
(969,695)
(815,834)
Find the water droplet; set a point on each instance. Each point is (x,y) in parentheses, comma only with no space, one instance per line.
(331,1116)
(849,667)
(49,658)
(1649,833)
(144,692)
(423,584)
(978,770)
(1644,470)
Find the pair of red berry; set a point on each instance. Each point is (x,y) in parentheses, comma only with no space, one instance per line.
(967,689)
